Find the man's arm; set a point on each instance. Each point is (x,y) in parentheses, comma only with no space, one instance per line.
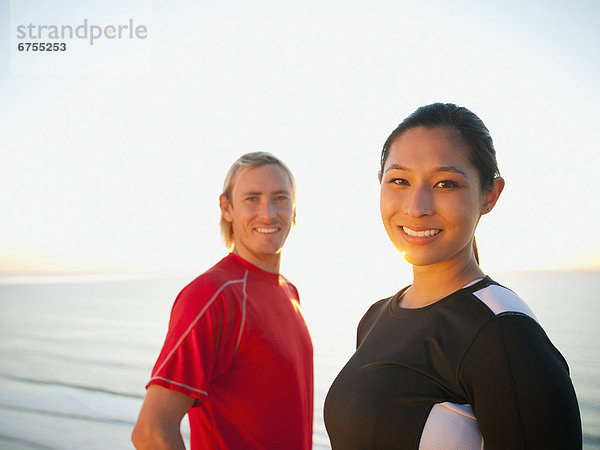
(158,425)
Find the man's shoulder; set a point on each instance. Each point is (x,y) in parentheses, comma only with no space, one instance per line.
(212,282)
(283,281)
(222,272)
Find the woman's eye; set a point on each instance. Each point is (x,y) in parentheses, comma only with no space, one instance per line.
(399,181)
(447,184)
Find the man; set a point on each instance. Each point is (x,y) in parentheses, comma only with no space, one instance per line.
(238,356)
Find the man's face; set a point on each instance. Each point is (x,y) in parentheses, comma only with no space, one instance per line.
(261,211)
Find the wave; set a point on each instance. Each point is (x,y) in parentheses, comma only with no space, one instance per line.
(591,440)
(26,442)
(67,415)
(61,357)
(71,386)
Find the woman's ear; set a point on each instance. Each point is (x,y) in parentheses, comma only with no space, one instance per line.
(491,196)
(379,176)
(225,206)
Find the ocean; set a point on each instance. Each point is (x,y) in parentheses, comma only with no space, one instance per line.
(76,351)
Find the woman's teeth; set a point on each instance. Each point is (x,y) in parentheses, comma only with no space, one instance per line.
(424,233)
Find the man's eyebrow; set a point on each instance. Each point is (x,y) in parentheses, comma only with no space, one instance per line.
(284,191)
(454,169)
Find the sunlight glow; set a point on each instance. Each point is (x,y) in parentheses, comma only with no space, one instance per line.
(123,172)
(296,305)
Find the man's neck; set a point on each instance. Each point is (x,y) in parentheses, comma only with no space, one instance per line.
(268,263)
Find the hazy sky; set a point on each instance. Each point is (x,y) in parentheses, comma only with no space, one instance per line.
(112,155)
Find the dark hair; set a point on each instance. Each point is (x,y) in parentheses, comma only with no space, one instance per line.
(471,129)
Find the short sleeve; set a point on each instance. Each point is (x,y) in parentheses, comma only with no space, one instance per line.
(201,341)
(519,387)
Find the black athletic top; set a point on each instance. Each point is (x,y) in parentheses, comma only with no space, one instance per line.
(471,369)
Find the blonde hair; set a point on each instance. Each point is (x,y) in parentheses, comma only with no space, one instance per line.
(248,161)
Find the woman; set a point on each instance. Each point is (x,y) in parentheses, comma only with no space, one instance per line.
(454,360)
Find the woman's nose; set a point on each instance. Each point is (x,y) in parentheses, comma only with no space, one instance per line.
(419,202)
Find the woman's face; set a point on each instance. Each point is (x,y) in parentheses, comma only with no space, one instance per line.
(431,196)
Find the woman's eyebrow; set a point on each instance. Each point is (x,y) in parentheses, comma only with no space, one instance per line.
(395,166)
(454,169)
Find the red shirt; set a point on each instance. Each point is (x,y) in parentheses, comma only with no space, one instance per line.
(238,344)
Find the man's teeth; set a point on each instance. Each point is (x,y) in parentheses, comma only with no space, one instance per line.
(425,233)
(267,230)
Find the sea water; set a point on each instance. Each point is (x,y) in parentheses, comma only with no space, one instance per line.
(76,352)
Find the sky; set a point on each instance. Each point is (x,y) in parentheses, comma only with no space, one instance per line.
(112,155)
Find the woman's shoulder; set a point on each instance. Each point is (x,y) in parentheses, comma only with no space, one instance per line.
(499,299)
(375,311)
(379,306)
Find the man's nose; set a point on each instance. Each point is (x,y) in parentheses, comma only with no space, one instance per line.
(267,209)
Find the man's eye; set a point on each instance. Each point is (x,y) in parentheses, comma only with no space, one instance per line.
(281,198)
(252,199)
(447,184)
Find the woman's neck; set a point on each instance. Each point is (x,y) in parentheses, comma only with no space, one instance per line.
(433,283)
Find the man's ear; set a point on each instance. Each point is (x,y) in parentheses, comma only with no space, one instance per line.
(226,209)
(379,176)
(491,196)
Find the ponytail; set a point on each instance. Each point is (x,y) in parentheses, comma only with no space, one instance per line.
(475,252)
